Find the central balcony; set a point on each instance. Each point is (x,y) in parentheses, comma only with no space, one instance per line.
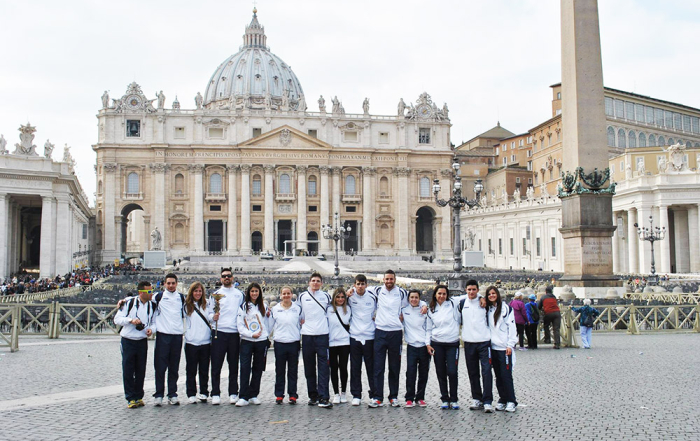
(285,197)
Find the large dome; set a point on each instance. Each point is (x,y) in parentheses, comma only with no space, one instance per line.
(254,77)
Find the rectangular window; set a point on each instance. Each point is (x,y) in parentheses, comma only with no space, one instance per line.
(520,144)
(85,231)
(424,136)
(529,167)
(313,208)
(524,247)
(686,123)
(257,187)
(500,246)
(257,208)
(622,166)
(312,188)
(350,209)
(512,246)
(529,153)
(497,151)
(313,133)
(133,128)
(639,112)
(629,110)
(650,114)
(554,247)
(350,136)
(490,248)
(215,208)
(512,145)
(677,124)
(609,106)
(538,247)
(505,161)
(695,124)
(383,137)
(619,109)
(529,180)
(179,133)
(668,119)
(659,117)
(512,158)
(257,131)
(216,133)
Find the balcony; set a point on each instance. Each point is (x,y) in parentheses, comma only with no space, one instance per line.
(215,197)
(352,198)
(285,197)
(132,196)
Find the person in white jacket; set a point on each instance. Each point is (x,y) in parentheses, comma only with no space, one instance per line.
(285,326)
(442,341)
(504,337)
(137,318)
(254,329)
(339,343)
(197,343)
(417,357)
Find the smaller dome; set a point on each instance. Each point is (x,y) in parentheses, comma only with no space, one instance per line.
(254,77)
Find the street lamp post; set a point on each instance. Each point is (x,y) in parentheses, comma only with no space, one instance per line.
(457,202)
(335,233)
(651,235)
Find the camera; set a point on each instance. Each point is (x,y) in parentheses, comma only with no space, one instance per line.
(140,327)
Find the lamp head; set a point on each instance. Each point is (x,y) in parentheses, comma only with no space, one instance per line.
(436,186)
(478,186)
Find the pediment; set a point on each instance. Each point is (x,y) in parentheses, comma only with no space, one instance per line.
(286,137)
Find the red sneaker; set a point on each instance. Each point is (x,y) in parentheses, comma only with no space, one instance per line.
(422,403)
(292,400)
(409,403)
(279,400)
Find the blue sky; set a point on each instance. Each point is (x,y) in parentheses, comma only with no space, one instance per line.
(489,60)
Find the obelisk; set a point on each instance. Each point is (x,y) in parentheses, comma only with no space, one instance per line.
(586,192)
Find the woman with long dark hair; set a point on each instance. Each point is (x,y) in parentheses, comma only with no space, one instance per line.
(504,337)
(339,343)
(197,343)
(253,328)
(442,341)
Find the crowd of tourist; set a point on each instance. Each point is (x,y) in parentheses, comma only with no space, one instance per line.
(361,325)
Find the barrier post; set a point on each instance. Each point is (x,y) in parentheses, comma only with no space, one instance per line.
(14,335)
(632,329)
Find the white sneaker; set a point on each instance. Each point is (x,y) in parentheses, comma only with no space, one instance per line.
(241,403)
(233,399)
(174,401)
(477,405)
(336,399)
(343,398)
(215,400)
(395,402)
(488,408)
(202,398)
(500,407)
(158,401)
(510,407)
(192,400)
(255,401)
(356,401)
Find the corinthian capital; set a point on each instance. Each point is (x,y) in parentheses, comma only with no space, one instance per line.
(197,168)
(369,171)
(158,167)
(301,169)
(324,169)
(269,168)
(245,168)
(109,167)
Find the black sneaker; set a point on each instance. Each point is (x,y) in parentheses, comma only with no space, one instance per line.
(325,404)
(312,402)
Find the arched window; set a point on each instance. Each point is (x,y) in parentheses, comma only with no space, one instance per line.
(632,138)
(285,184)
(689,144)
(179,233)
(642,140)
(179,183)
(257,185)
(256,241)
(621,139)
(311,187)
(384,186)
(670,141)
(652,140)
(215,184)
(350,184)
(132,183)
(697,145)
(662,141)
(424,187)
(99,187)
(385,234)
(611,137)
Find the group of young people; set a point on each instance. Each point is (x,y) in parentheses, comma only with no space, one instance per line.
(364,324)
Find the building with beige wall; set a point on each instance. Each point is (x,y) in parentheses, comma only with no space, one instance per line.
(251,168)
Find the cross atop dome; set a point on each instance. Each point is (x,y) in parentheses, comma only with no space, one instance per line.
(254,33)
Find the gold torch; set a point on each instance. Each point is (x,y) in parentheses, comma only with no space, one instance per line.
(217,307)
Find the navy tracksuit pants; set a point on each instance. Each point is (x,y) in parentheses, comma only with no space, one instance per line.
(167,358)
(503,368)
(286,359)
(417,362)
(134,354)
(478,359)
(314,349)
(359,352)
(387,343)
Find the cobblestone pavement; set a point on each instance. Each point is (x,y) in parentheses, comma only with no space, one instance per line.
(625,388)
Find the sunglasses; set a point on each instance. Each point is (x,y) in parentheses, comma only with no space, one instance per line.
(226,276)
(146,291)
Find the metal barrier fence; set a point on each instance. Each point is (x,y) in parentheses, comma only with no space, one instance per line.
(668,297)
(9,327)
(45,295)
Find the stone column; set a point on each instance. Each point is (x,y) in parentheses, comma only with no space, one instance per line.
(337,171)
(643,214)
(4,218)
(159,198)
(63,225)
(694,238)
(108,196)
(403,247)
(616,249)
(245,210)
(206,235)
(680,227)
(587,223)
(664,263)
(197,171)
(324,245)
(146,233)
(47,264)
(632,243)
(268,237)
(118,221)
(301,205)
(368,224)
(232,224)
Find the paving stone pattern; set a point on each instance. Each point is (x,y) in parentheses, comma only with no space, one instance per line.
(625,388)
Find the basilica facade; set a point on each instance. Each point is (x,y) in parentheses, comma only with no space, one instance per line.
(251,168)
